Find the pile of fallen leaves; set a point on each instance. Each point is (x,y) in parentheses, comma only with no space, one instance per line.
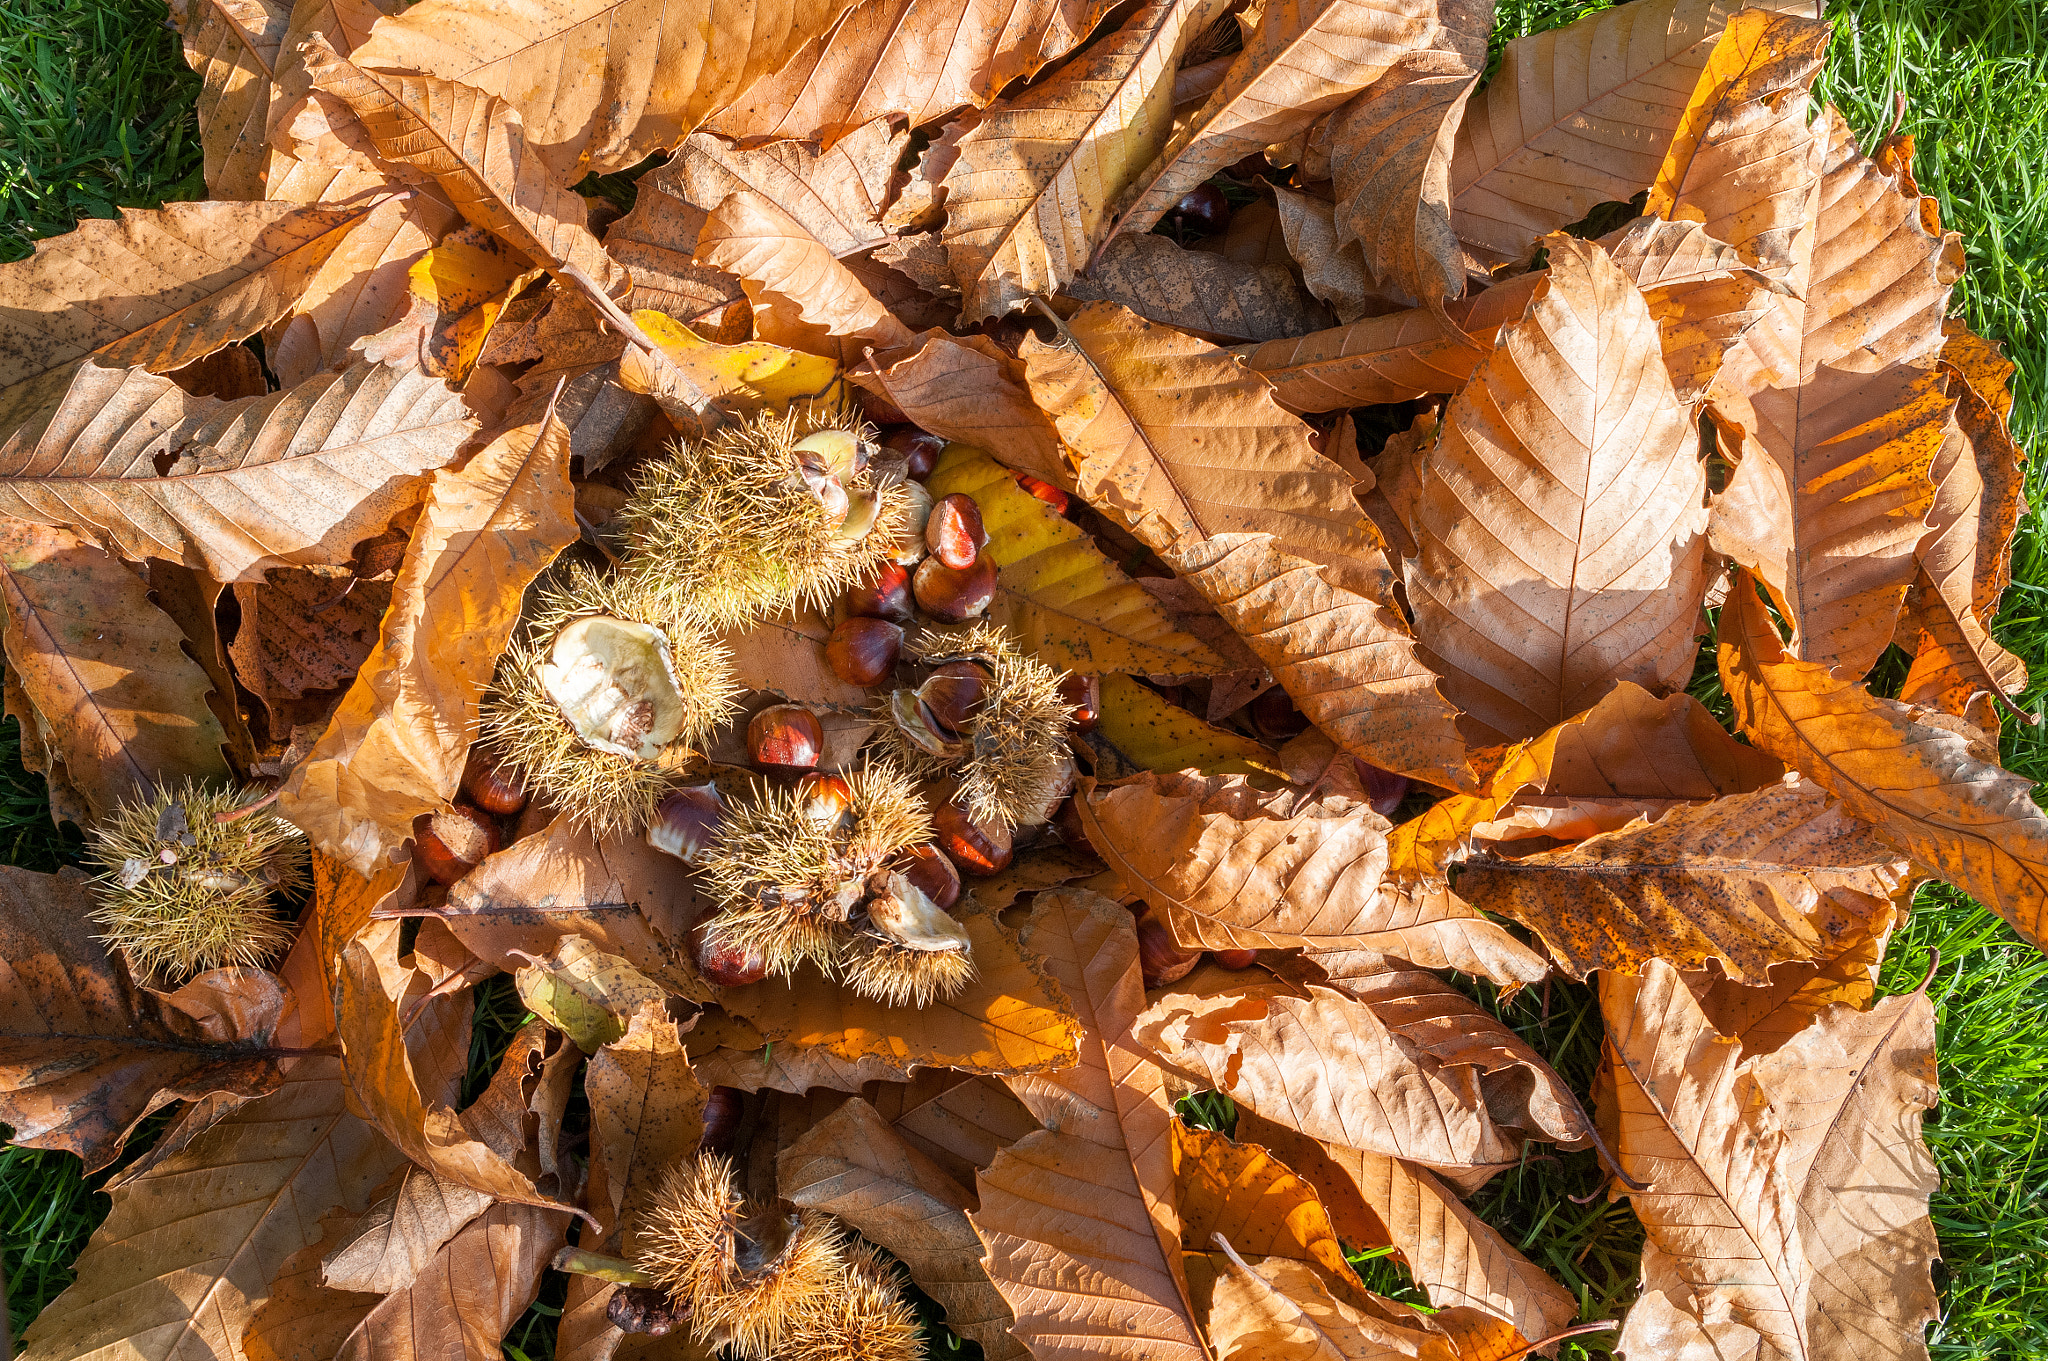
(1058,557)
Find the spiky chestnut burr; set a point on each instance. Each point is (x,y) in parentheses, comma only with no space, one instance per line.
(906,950)
(598,708)
(789,882)
(1009,750)
(866,1320)
(735,527)
(748,1276)
(182,891)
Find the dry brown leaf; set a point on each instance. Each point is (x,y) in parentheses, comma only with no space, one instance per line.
(1232,868)
(1391,358)
(1012,1018)
(1578,116)
(599,83)
(108,702)
(1328,1066)
(918,59)
(1175,440)
(623,895)
(1029,199)
(1560,517)
(959,1120)
(177,1268)
(836,195)
(802,296)
(468,1297)
(1445,1026)
(1764,1017)
(235,47)
(1751,880)
(1082,1237)
(298,478)
(156,289)
(470,144)
(400,1234)
(854,1166)
(1335,274)
(1837,409)
(657,242)
(383,1077)
(646,1114)
(304,632)
(1932,792)
(1634,745)
(1302,59)
(1451,1253)
(396,746)
(786,655)
(1276,1309)
(1390,158)
(88,1053)
(1346,659)
(1787,1208)
(1198,292)
(1059,595)
(967,389)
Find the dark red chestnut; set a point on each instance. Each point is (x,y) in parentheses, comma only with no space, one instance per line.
(928,868)
(454,842)
(1234,959)
(722,963)
(953,695)
(954,597)
(1203,209)
(785,737)
(1274,716)
(1384,790)
(1085,694)
(1161,960)
(497,790)
(955,534)
(686,822)
(861,650)
(973,847)
(886,597)
(722,1111)
(920,450)
(1044,491)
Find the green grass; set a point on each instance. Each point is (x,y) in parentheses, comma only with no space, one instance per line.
(95,112)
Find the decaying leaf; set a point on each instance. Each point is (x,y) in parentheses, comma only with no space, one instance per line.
(401,1233)
(585,993)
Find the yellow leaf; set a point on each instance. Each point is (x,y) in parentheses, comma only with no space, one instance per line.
(1056,591)
(1155,735)
(748,377)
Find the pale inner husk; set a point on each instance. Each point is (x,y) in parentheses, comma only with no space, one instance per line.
(615,682)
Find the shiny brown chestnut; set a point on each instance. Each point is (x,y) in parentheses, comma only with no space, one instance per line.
(886,597)
(785,737)
(1274,716)
(723,964)
(862,651)
(826,800)
(955,534)
(974,848)
(920,450)
(645,1309)
(454,842)
(1161,960)
(932,873)
(953,695)
(954,597)
(496,789)
(686,822)
(1044,491)
(722,1111)
(1085,694)
(1234,959)
(1203,209)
